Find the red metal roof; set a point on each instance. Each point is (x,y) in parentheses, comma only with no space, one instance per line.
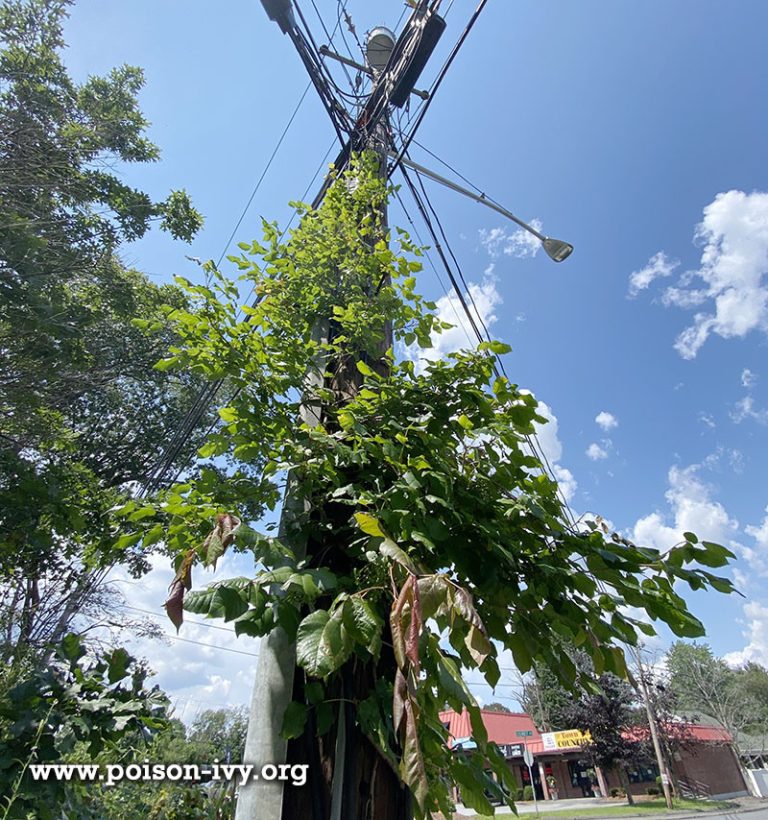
(502,728)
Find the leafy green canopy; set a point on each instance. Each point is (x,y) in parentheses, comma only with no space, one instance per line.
(82,412)
(433,536)
(74,703)
(63,209)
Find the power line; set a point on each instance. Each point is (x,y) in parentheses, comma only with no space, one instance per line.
(459,321)
(206,396)
(438,81)
(263,174)
(211,645)
(530,439)
(196,623)
(189,640)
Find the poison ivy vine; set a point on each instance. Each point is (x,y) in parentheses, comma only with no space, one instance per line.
(434,538)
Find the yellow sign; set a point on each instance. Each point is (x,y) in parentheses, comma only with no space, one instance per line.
(569,739)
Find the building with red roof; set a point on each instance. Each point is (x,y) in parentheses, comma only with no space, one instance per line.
(706,763)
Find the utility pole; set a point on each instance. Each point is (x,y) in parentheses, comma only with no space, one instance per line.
(652,723)
(351,780)
(394,66)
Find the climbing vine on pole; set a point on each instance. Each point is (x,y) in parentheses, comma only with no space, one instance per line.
(435,538)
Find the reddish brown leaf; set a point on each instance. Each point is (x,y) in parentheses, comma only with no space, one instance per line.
(414,629)
(399,700)
(464,606)
(396,621)
(220,537)
(174,604)
(412,768)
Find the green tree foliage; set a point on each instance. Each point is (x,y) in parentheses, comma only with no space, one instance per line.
(546,699)
(82,411)
(705,686)
(211,736)
(220,733)
(426,512)
(610,716)
(497,707)
(64,209)
(74,703)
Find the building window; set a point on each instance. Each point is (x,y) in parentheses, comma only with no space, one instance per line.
(643,774)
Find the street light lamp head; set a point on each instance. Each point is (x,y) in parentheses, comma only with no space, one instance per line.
(557,249)
(379,47)
(281,11)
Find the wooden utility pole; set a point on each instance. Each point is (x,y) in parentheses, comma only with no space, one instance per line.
(652,723)
(347,778)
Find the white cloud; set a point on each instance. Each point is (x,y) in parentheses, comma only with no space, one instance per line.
(707,419)
(206,666)
(691,509)
(606,420)
(760,534)
(748,378)
(596,452)
(485,298)
(566,481)
(745,409)
(552,448)
(519,243)
(734,261)
(658,266)
(757,635)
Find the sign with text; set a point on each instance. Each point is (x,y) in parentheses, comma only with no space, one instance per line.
(569,739)
(511,749)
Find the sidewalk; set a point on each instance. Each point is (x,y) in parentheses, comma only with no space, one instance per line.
(741,805)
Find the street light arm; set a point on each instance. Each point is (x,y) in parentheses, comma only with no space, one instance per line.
(555,248)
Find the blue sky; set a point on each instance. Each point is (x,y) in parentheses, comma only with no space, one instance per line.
(634,131)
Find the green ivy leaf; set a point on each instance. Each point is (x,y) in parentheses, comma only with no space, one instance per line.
(322,643)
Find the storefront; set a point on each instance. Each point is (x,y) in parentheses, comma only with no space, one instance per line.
(561,769)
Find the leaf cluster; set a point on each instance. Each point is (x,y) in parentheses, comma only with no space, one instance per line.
(425,535)
(74,700)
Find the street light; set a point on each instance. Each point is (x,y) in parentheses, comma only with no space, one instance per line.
(556,249)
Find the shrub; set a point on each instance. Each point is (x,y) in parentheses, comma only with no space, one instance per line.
(528,793)
(519,794)
(653,791)
(615,792)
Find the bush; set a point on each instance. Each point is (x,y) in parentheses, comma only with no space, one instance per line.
(618,792)
(519,794)
(653,791)
(528,793)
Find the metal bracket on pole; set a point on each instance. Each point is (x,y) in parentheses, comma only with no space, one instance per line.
(556,249)
(326,52)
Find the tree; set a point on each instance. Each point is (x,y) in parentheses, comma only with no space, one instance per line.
(75,701)
(220,734)
(424,511)
(546,699)
(64,211)
(610,717)
(498,707)
(67,463)
(82,411)
(705,684)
